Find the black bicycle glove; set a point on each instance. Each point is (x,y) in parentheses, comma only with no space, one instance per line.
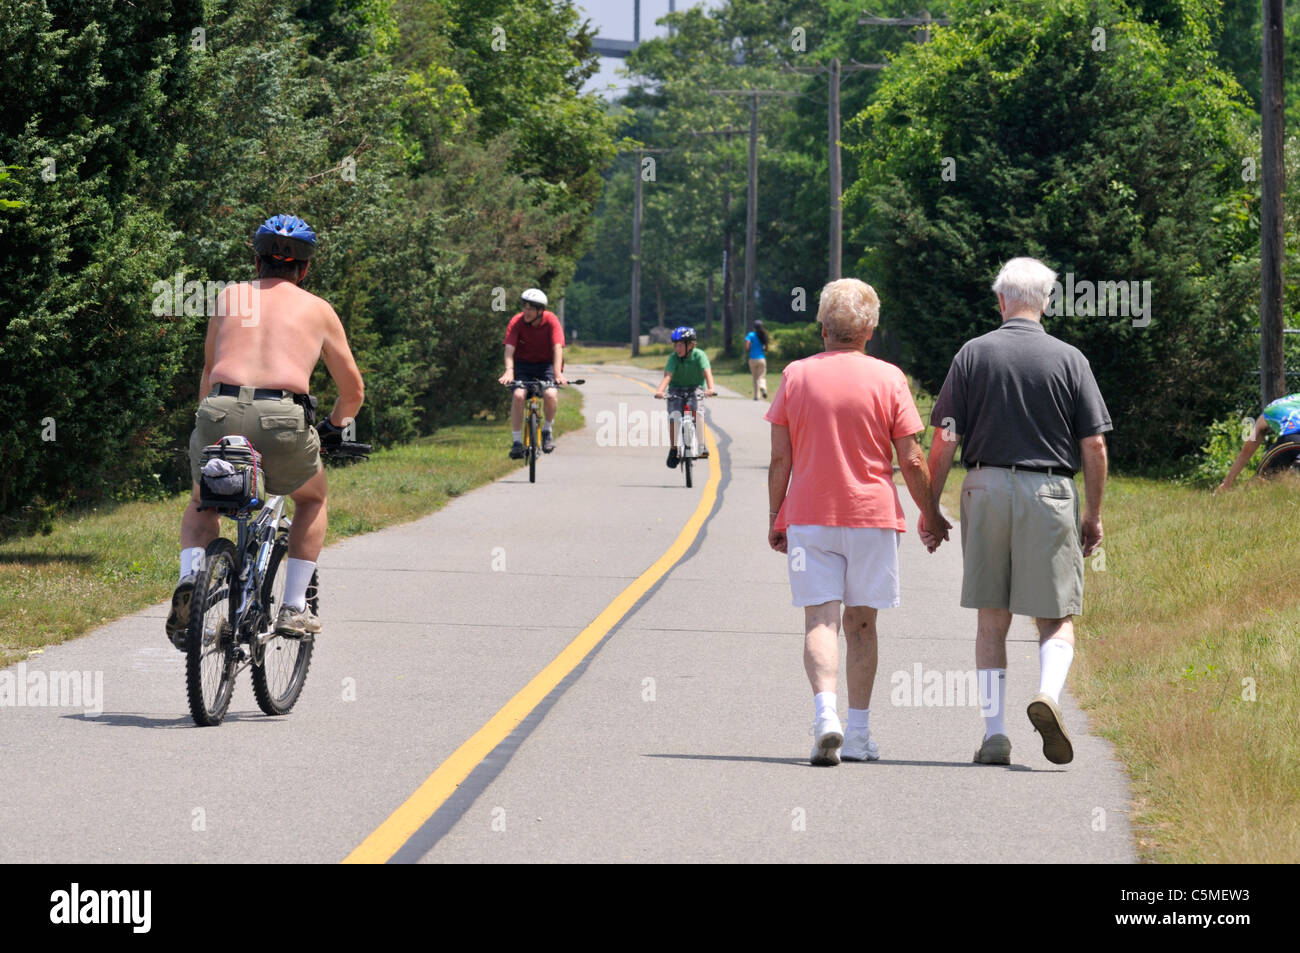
(329,434)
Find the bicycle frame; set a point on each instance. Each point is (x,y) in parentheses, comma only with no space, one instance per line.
(260,532)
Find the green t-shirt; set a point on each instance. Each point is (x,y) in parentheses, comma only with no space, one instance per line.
(687,371)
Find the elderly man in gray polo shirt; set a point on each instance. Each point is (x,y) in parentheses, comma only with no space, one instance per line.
(1028,413)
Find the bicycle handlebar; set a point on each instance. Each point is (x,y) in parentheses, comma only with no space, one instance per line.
(699,392)
(544,383)
(345,450)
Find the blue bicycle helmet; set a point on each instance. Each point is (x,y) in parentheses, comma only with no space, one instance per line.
(684,334)
(285,238)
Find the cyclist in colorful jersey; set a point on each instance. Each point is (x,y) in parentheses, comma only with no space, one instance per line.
(534,352)
(687,367)
(262,345)
(1281,416)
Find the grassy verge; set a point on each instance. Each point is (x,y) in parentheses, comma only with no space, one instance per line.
(1189,661)
(108,561)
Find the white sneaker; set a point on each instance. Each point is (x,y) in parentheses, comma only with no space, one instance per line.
(830,735)
(858,746)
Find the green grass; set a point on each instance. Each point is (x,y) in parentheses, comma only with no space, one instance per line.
(1195,594)
(107,561)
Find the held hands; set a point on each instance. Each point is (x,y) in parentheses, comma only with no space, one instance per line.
(933,529)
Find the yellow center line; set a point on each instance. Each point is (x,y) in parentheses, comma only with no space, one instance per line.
(389,836)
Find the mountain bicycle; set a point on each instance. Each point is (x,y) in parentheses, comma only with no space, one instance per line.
(237,596)
(533,416)
(688,448)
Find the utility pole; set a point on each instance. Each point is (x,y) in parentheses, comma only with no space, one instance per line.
(833,154)
(636,252)
(728,291)
(751,214)
(1272,371)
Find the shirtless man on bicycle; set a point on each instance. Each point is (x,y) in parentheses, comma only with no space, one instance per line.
(262,346)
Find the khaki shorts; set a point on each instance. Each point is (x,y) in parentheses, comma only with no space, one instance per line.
(290,449)
(1021,544)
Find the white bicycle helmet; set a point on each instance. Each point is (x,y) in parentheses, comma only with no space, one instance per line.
(534,296)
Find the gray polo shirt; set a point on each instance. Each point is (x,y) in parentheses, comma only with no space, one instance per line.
(1018,396)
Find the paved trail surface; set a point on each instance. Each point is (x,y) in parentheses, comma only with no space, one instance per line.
(683,737)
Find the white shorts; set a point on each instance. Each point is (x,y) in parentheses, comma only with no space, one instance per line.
(855,565)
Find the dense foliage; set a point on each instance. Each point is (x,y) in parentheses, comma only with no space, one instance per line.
(1114,140)
(441,150)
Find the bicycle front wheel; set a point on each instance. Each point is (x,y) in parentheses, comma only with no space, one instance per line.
(688,449)
(281,672)
(210,654)
(532,449)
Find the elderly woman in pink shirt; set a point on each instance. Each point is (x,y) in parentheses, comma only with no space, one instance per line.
(834,510)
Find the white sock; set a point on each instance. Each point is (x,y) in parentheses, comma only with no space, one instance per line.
(993,700)
(1054,658)
(546,427)
(518,436)
(297,576)
(859,719)
(826,703)
(191,561)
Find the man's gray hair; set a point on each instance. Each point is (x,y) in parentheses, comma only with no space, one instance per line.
(849,309)
(1025,283)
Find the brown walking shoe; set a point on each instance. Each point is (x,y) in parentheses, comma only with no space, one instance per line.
(994,750)
(1047,721)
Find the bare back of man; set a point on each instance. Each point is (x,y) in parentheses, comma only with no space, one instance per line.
(269,334)
(272,334)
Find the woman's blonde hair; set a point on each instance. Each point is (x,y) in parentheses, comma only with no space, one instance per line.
(849,310)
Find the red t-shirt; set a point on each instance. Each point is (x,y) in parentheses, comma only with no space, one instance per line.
(533,345)
(844,410)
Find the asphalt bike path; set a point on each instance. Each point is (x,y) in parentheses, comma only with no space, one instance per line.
(683,736)
(429,629)
(687,737)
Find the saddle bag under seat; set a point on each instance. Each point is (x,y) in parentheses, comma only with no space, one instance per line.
(231,480)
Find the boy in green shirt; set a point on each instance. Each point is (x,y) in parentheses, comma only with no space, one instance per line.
(689,368)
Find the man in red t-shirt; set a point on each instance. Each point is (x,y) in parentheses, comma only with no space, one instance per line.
(534,352)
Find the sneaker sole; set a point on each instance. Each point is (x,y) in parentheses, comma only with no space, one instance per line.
(178,620)
(296,633)
(865,757)
(1048,722)
(827,752)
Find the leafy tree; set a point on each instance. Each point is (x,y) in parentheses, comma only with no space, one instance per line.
(1116,164)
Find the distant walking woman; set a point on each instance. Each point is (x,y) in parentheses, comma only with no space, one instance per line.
(757,339)
(837,422)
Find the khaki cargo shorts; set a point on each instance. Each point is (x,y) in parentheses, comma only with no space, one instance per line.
(290,449)
(1021,543)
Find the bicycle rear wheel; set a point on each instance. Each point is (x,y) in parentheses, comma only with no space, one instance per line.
(210,653)
(532,448)
(281,672)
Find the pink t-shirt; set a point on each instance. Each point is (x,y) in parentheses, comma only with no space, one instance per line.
(843,409)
